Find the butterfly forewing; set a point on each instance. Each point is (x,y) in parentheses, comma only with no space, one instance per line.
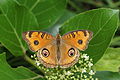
(37,39)
(78,38)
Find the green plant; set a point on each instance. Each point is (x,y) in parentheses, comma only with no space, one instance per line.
(17,16)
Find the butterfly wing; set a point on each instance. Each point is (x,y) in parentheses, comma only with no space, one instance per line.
(78,38)
(44,44)
(37,39)
(48,55)
(69,55)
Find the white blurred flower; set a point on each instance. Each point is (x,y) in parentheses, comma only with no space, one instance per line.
(90,64)
(91,59)
(91,72)
(83,70)
(85,76)
(37,63)
(68,73)
(62,76)
(85,56)
(32,56)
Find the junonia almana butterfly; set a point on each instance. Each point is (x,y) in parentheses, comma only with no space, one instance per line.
(57,51)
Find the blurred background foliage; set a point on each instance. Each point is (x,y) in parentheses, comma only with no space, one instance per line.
(111,58)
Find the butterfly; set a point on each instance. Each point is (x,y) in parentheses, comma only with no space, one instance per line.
(62,51)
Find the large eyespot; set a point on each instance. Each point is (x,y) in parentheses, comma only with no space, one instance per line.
(71,52)
(45,52)
(36,42)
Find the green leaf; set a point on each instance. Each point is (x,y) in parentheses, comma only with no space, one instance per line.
(15,19)
(111,60)
(115,41)
(67,15)
(47,12)
(55,28)
(107,75)
(8,73)
(102,22)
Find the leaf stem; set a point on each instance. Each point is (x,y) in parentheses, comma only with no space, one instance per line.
(95,3)
(33,78)
(32,62)
(117,4)
(74,5)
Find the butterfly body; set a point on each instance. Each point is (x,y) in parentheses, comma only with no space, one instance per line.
(57,51)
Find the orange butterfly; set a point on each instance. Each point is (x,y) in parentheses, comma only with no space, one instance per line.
(57,51)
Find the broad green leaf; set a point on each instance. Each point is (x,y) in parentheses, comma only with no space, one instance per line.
(8,73)
(102,22)
(47,12)
(107,75)
(110,61)
(15,19)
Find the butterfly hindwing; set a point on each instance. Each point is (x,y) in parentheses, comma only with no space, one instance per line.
(69,55)
(48,55)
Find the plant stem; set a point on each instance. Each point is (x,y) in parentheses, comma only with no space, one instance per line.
(33,78)
(110,3)
(97,3)
(32,62)
(74,5)
(117,4)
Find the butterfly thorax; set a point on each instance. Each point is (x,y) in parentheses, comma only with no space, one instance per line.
(58,38)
